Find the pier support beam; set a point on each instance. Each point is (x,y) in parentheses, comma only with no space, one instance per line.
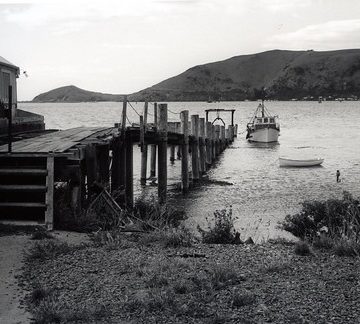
(184,115)
(129,189)
(122,154)
(144,149)
(202,166)
(208,144)
(217,140)
(195,147)
(153,146)
(162,156)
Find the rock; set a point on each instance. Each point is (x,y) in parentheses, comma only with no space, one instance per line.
(249,241)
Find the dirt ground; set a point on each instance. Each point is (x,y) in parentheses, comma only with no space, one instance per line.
(12,249)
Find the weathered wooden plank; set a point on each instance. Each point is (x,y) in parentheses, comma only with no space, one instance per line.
(49,196)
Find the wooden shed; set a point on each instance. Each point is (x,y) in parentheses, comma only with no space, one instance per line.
(8,75)
(23,121)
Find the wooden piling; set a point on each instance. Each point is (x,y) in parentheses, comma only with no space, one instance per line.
(129,186)
(172,154)
(222,137)
(162,156)
(102,152)
(153,146)
(91,165)
(122,153)
(49,196)
(184,115)
(144,149)
(115,164)
(213,143)
(208,144)
(195,147)
(202,166)
(217,139)
(235,130)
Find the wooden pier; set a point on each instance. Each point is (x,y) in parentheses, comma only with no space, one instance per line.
(88,157)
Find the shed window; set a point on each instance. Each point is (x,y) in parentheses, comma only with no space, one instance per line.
(266,120)
(272,120)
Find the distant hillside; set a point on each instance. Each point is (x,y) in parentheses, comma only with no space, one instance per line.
(285,74)
(74,94)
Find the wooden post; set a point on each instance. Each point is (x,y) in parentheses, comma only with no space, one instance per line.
(217,139)
(208,144)
(10,119)
(202,146)
(162,156)
(222,137)
(184,115)
(236,130)
(213,143)
(178,148)
(122,153)
(153,147)
(195,147)
(102,151)
(49,198)
(129,190)
(144,146)
(115,164)
(91,165)
(172,154)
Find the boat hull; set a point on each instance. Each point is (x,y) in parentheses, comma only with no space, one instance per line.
(265,135)
(300,163)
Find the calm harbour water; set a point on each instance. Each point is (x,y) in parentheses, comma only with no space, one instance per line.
(261,193)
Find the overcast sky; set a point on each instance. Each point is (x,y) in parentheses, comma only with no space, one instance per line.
(122,46)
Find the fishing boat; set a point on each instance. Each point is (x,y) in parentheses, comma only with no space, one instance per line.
(263,127)
(284,162)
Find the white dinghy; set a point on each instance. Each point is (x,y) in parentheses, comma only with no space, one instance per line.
(284,162)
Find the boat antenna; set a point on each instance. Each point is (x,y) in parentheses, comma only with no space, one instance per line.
(263,94)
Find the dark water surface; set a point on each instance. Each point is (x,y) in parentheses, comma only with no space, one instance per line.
(261,193)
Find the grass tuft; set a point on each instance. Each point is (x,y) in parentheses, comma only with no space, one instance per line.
(242,299)
(346,248)
(302,248)
(48,249)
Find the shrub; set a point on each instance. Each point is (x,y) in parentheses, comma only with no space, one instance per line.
(340,218)
(323,242)
(222,231)
(302,248)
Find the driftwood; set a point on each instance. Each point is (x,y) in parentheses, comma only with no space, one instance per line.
(188,255)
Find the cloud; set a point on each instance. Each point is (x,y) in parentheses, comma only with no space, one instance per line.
(70,15)
(329,35)
(284,5)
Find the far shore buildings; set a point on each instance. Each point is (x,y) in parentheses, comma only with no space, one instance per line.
(22,120)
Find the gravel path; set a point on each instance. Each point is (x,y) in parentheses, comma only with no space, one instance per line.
(11,261)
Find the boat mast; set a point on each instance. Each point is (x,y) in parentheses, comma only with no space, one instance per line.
(262,108)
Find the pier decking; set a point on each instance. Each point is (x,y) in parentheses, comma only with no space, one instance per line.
(85,156)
